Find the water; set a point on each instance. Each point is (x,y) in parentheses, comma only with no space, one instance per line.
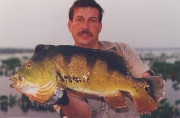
(16,112)
(170,93)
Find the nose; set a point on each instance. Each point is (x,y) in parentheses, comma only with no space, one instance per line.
(86,25)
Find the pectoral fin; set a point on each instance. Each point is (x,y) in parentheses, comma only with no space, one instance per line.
(115,100)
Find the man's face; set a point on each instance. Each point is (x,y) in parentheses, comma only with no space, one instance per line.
(85,27)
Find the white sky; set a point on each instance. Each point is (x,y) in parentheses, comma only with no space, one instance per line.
(140,23)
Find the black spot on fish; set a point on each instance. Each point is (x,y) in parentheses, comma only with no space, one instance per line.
(149,89)
(76,79)
(66,77)
(70,80)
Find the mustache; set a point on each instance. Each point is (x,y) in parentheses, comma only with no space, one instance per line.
(87,32)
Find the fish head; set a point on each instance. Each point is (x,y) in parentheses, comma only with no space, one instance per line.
(36,78)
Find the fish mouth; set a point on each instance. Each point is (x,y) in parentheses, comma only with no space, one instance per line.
(15,82)
(17,78)
(21,85)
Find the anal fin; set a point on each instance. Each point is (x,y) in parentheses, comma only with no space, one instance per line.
(144,103)
(115,100)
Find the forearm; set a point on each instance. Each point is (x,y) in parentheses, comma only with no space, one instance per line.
(76,108)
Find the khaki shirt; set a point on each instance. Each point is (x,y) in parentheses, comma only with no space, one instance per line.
(99,108)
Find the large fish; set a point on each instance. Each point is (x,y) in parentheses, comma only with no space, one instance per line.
(84,72)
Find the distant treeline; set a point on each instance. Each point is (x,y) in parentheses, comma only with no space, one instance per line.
(15,50)
(157,49)
(23,50)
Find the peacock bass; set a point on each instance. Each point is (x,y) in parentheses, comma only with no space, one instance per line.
(85,72)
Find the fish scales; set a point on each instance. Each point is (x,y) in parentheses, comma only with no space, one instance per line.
(88,71)
(97,67)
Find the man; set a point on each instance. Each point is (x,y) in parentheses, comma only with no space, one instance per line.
(85,24)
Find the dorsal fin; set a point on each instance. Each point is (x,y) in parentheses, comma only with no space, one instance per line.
(42,47)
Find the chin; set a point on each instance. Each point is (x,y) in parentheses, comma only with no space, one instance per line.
(84,42)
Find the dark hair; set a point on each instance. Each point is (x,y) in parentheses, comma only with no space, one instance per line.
(85,3)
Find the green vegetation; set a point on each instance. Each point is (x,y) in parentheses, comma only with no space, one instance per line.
(164,110)
(9,66)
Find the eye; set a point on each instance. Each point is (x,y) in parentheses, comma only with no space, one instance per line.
(79,19)
(93,20)
(29,64)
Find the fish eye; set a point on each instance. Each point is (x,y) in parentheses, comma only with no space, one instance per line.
(29,64)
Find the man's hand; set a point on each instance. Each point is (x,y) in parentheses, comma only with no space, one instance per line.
(59,97)
(148,73)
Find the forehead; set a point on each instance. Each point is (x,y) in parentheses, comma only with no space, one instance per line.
(86,12)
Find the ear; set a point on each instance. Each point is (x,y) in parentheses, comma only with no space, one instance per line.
(69,25)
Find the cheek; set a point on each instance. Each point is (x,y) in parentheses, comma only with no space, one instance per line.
(96,30)
(75,28)
(77,25)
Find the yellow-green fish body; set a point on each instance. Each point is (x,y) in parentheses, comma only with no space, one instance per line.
(86,72)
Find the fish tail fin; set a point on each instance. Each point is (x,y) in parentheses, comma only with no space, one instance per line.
(146,99)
